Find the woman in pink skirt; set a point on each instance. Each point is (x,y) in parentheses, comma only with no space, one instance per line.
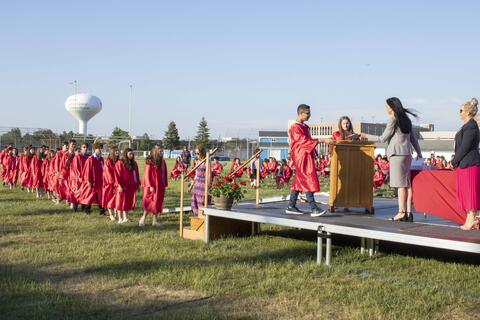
(467,164)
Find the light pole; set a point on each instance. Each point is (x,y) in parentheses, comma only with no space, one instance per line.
(74,82)
(130,112)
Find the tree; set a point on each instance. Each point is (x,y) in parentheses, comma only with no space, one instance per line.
(203,135)
(119,133)
(171,141)
(145,142)
(13,136)
(66,136)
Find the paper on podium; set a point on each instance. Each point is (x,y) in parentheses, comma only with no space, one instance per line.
(418,163)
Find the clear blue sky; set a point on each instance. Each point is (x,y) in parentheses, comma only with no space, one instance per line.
(244,65)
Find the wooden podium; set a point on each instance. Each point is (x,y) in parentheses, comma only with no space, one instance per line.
(351,175)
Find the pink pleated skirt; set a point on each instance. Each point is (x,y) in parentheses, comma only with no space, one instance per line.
(468,188)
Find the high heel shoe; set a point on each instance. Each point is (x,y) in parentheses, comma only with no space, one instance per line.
(403,218)
(409,217)
(475,225)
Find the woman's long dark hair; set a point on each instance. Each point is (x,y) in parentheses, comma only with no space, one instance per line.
(129,164)
(401,115)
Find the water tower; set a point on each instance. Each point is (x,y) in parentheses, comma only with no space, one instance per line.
(83,106)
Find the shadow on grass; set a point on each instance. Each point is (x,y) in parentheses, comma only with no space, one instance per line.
(26,293)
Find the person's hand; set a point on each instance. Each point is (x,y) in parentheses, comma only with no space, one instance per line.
(120,189)
(152,189)
(419,156)
(327,141)
(90,185)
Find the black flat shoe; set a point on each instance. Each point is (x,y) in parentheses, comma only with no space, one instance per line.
(404,218)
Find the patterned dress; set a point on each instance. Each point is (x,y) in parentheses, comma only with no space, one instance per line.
(198,191)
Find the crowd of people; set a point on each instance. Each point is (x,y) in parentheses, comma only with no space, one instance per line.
(80,179)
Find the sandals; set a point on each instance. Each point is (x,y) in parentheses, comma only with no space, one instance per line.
(409,217)
(403,218)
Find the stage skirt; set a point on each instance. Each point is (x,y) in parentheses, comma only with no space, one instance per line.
(468,187)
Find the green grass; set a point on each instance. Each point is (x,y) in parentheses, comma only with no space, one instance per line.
(55,264)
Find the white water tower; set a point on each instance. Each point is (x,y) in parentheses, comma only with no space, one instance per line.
(83,106)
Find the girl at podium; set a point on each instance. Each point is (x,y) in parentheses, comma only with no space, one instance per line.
(345,131)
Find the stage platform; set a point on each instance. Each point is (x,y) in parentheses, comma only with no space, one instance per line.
(427,231)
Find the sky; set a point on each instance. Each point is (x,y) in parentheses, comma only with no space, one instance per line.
(243,65)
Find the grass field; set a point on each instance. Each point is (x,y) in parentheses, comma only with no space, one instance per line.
(56,264)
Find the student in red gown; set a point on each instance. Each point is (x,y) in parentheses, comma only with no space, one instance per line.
(217,167)
(284,174)
(178,168)
(235,165)
(109,189)
(264,172)
(12,168)
(76,170)
(345,131)
(92,180)
(155,180)
(272,167)
(46,171)
(59,164)
(36,172)
(27,172)
(378,177)
(3,158)
(303,154)
(127,180)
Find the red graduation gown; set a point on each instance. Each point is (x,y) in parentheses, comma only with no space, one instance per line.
(26,178)
(129,181)
(45,174)
(303,153)
(75,178)
(154,177)
(177,170)
(92,173)
(12,169)
(109,188)
(36,171)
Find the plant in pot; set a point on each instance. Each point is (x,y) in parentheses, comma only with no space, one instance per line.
(226,191)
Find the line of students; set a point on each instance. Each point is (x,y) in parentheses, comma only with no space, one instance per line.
(80,179)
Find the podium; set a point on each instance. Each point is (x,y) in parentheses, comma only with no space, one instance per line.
(351,175)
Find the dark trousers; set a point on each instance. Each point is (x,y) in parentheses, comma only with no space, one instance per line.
(294,197)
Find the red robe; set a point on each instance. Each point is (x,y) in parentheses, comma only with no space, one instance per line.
(109,189)
(129,180)
(3,161)
(12,169)
(239,172)
(272,166)
(217,169)
(284,176)
(26,177)
(177,170)
(154,177)
(92,181)
(36,171)
(63,176)
(303,153)
(75,177)
(46,174)
(378,179)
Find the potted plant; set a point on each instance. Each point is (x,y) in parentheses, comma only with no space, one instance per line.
(226,191)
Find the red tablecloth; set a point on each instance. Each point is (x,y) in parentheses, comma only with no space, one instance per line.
(434,192)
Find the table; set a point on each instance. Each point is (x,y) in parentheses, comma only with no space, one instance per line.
(434,192)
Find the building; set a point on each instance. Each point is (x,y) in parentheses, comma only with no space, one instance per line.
(274,143)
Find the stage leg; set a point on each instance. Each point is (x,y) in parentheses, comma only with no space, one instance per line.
(319,247)
(328,258)
(362,246)
(207,228)
(370,247)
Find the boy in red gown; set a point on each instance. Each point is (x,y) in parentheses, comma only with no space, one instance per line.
(92,180)
(58,168)
(303,154)
(155,180)
(127,180)
(109,189)
(75,178)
